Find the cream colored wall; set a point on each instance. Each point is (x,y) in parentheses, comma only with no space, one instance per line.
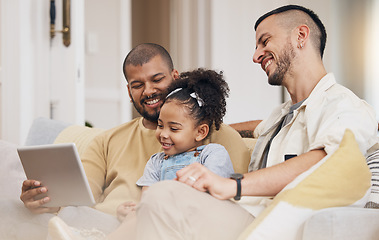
(0,79)
(108,40)
(23,68)
(36,72)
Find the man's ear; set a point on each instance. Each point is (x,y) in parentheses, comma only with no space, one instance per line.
(175,74)
(202,132)
(302,35)
(130,95)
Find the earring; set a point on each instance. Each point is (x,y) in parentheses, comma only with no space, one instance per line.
(301,45)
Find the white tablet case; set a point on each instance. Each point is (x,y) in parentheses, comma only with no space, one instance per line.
(58,167)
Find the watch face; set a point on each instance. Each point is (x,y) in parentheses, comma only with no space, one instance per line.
(236,176)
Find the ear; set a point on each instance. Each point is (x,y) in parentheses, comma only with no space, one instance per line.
(202,132)
(130,95)
(302,35)
(175,74)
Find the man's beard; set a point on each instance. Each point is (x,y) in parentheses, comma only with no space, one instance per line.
(282,66)
(150,117)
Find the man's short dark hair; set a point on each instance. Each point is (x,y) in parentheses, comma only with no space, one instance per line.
(310,13)
(143,53)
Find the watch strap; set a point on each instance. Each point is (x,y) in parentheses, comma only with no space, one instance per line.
(238,195)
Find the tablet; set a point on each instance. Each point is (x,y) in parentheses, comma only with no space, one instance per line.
(58,167)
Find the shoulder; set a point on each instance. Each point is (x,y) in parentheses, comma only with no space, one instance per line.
(156,159)
(157,156)
(338,99)
(214,148)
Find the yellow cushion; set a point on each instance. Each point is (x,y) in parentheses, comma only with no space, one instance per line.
(250,143)
(340,179)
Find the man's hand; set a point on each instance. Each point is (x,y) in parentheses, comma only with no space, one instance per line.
(30,190)
(202,179)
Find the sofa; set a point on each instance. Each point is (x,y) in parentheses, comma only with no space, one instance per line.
(342,222)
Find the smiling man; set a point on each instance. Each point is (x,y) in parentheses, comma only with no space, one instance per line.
(116,158)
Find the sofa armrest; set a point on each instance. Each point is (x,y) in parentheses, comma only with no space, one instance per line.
(342,223)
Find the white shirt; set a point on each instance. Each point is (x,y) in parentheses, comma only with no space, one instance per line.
(319,123)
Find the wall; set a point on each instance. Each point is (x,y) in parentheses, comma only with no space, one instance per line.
(372,55)
(1,112)
(24,56)
(108,40)
(38,73)
(232,48)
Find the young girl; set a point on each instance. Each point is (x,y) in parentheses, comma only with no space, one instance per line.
(195,106)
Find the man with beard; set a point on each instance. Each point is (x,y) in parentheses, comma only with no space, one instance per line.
(290,43)
(115,160)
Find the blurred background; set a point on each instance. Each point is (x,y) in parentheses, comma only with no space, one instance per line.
(83,82)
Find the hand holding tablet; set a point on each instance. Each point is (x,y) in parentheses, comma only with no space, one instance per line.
(57,167)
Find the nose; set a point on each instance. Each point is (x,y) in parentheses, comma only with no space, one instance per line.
(149,89)
(163,133)
(258,55)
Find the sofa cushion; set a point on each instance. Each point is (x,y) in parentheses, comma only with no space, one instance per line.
(80,135)
(44,131)
(339,179)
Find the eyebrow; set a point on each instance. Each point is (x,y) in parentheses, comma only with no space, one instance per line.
(154,76)
(157,74)
(173,123)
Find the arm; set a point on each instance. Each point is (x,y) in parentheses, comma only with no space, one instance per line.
(246,129)
(264,182)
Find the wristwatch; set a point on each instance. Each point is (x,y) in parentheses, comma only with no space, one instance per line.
(237,177)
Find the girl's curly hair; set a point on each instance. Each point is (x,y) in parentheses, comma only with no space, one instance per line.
(209,91)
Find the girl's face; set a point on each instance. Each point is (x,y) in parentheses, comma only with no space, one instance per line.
(176,129)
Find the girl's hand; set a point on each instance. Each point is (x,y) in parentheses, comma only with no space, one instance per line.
(124,209)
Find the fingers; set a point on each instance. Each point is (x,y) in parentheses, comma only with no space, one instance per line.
(194,175)
(202,179)
(30,191)
(124,209)
(29,195)
(28,184)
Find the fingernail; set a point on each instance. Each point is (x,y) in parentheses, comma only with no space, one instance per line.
(43,190)
(46,199)
(36,183)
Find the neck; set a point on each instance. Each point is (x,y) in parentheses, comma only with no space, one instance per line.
(300,85)
(149,124)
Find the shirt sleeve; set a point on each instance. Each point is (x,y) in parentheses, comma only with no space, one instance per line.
(152,172)
(216,158)
(95,166)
